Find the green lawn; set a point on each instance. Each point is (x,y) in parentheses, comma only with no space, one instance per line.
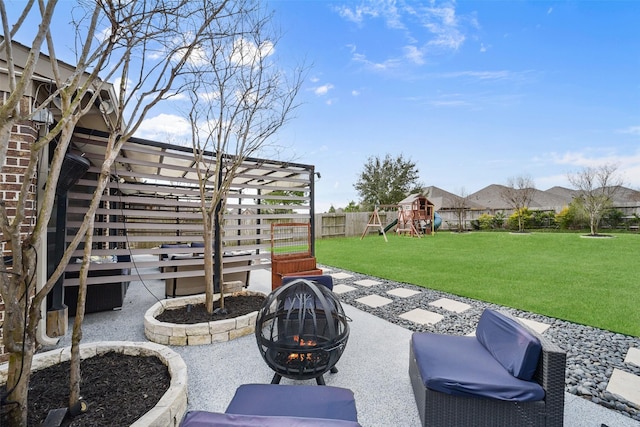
(589,281)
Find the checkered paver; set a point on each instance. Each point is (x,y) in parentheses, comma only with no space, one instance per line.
(366,282)
(374,300)
(402,292)
(422,317)
(341,275)
(633,356)
(625,385)
(342,289)
(451,305)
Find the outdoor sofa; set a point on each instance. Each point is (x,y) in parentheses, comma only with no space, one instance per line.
(505,375)
(189,267)
(277,405)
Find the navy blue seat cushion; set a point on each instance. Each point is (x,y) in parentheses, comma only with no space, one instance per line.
(325,280)
(461,366)
(309,401)
(174,245)
(510,343)
(214,419)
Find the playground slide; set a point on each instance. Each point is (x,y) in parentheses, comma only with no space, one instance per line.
(437,222)
(390,226)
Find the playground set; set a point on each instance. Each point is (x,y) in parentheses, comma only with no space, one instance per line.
(416,217)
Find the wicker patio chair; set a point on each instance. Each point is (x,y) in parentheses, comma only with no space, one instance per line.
(441,409)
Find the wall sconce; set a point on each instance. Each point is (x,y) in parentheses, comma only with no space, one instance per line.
(105,107)
(44,115)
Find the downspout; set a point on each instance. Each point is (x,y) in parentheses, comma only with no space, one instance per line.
(41,267)
(312,209)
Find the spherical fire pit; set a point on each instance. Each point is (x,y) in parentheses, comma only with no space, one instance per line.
(301,331)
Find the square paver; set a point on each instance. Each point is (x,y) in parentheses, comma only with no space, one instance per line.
(633,356)
(422,317)
(366,282)
(341,289)
(340,275)
(539,327)
(625,385)
(451,305)
(403,292)
(374,300)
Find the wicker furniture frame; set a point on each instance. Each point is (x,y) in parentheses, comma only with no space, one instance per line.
(440,409)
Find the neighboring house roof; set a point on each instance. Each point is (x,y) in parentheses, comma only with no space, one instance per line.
(444,199)
(557,197)
(490,197)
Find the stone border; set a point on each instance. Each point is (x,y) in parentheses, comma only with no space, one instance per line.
(171,407)
(198,333)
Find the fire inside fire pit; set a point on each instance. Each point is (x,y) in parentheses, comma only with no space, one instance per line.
(301,331)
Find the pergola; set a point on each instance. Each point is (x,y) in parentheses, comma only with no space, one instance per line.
(153,201)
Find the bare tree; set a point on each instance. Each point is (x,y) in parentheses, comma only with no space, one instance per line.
(459,205)
(239,99)
(145,46)
(518,193)
(595,187)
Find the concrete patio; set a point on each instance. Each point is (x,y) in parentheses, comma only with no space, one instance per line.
(374,364)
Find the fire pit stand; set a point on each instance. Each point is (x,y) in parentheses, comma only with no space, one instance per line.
(301,331)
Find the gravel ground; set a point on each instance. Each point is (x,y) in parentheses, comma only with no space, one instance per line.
(591,353)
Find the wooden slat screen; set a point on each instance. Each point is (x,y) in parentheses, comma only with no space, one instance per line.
(153,199)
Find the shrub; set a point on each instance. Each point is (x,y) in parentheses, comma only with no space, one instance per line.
(525,214)
(571,218)
(544,219)
(486,222)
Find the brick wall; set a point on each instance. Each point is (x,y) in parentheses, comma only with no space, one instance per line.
(12,175)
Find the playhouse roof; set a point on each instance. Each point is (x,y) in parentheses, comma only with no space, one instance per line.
(412,198)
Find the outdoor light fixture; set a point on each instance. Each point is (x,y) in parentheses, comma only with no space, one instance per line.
(44,115)
(105,107)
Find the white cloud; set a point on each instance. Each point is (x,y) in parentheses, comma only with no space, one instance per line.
(245,52)
(357,14)
(163,127)
(443,23)
(414,55)
(323,90)
(632,130)
(376,66)
(628,164)
(445,30)
(355,92)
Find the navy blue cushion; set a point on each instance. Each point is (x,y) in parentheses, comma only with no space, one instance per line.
(174,245)
(310,401)
(461,366)
(510,343)
(213,419)
(325,280)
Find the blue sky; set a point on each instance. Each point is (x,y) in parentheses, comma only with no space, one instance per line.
(474,92)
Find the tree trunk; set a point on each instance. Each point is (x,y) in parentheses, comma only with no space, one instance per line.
(75,376)
(18,382)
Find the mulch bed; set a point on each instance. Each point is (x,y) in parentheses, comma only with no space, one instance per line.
(117,388)
(197,313)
